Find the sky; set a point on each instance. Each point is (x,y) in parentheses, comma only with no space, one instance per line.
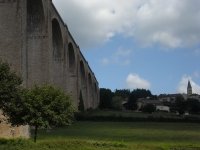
(129,44)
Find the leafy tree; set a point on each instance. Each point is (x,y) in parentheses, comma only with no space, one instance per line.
(117,102)
(135,95)
(149,108)
(180,104)
(105,98)
(9,86)
(124,93)
(41,106)
(193,106)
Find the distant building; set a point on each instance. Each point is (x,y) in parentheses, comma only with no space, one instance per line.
(189,89)
(141,102)
(163,108)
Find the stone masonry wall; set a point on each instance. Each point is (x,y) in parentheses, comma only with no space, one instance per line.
(37,44)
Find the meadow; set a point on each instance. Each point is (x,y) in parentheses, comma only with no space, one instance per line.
(113,136)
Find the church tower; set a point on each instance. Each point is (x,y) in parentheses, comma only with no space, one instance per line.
(189,89)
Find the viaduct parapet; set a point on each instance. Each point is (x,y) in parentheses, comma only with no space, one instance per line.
(37,44)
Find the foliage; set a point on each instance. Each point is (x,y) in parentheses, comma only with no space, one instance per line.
(193,106)
(124,93)
(117,103)
(41,106)
(105,98)
(180,105)
(9,87)
(149,108)
(135,95)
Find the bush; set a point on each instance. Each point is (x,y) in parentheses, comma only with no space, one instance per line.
(117,103)
(149,108)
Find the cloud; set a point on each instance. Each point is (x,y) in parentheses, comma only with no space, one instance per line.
(134,81)
(105,61)
(120,57)
(182,86)
(169,23)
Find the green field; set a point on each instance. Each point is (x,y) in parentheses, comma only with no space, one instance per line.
(114,136)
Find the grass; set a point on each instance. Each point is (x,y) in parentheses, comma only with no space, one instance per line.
(113,136)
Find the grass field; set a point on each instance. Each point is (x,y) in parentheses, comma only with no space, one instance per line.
(114,136)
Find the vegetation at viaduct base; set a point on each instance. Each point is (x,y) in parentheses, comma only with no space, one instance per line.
(41,106)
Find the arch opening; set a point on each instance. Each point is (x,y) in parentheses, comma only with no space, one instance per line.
(81,106)
(71,58)
(82,71)
(90,80)
(35,16)
(57,40)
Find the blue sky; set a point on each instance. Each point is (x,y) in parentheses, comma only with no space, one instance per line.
(152,44)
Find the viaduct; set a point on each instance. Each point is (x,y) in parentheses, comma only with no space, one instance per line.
(37,44)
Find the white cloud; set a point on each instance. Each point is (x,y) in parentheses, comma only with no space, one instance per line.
(182,87)
(168,23)
(120,57)
(134,81)
(105,61)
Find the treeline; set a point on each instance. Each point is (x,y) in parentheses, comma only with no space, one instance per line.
(190,105)
(126,99)
(122,98)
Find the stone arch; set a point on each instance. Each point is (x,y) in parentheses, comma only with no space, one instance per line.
(83,83)
(71,58)
(95,87)
(57,40)
(35,16)
(82,73)
(81,106)
(90,80)
(90,91)
(95,92)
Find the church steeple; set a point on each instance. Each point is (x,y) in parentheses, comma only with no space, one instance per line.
(189,88)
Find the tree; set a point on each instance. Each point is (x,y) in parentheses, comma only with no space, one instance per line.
(193,105)
(135,95)
(9,86)
(180,104)
(124,93)
(149,108)
(105,98)
(117,102)
(41,106)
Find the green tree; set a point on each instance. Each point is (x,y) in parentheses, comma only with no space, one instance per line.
(117,102)
(124,93)
(9,86)
(193,105)
(41,106)
(180,104)
(105,98)
(135,95)
(149,108)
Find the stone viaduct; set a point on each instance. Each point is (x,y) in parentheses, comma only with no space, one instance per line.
(37,44)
